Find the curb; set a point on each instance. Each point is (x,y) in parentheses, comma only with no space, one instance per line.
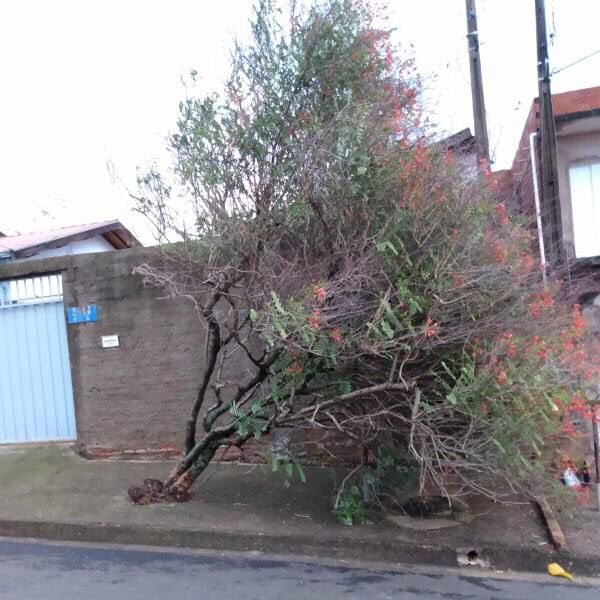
(226,540)
(554,530)
(500,558)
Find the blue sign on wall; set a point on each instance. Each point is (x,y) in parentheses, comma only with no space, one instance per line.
(82,314)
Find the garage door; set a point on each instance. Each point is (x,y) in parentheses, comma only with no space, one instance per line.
(36,394)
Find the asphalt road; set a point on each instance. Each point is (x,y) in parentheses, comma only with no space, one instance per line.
(31,571)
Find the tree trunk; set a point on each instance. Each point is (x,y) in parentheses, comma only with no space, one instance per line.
(178,485)
(183,476)
(190,466)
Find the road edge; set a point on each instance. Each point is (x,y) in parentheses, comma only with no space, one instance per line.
(518,559)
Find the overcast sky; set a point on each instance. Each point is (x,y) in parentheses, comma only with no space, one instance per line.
(90,83)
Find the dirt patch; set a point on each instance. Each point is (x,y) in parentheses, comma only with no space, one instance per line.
(432,506)
(152,491)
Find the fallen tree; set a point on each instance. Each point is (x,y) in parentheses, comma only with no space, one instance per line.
(363,282)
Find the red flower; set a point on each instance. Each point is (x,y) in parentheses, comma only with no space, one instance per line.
(501,213)
(578,321)
(457,280)
(294,369)
(319,293)
(484,166)
(539,303)
(336,335)
(499,251)
(501,377)
(526,264)
(314,321)
(420,155)
(431,328)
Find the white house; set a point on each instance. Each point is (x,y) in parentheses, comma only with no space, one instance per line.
(75,239)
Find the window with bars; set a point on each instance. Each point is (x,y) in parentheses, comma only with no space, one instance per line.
(31,290)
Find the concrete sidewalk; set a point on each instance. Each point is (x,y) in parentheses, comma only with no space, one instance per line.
(53,493)
(581,526)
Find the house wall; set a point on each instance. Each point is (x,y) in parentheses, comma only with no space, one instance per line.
(135,398)
(522,199)
(577,141)
(94,244)
(573,149)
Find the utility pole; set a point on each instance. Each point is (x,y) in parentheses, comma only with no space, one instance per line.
(596,426)
(549,196)
(479,118)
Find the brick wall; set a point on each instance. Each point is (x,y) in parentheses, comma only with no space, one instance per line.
(135,396)
(134,399)
(522,168)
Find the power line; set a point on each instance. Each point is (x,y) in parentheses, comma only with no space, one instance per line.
(576,62)
(553,33)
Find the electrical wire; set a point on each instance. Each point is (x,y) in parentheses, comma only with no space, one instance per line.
(553,33)
(575,63)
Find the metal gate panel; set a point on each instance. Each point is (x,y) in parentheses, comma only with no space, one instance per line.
(36,394)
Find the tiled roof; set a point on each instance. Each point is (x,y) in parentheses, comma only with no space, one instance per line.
(21,242)
(576,101)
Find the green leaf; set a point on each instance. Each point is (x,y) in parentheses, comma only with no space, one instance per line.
(387,330)
(236,411)
(276,393)
(344,387)
(390,313)
(387,245)
(253,315)
(499,445)
(451,397)
(448,371)
(280,329)
(361,170)
(413,306)
(524,461)
(345,519)
(277,303)
(300,471)
(297,209)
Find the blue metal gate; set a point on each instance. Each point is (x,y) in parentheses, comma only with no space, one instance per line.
(36,394)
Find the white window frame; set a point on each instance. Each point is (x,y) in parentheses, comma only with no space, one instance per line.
(584,185)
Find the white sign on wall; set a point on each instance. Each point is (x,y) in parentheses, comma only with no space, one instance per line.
(110,341)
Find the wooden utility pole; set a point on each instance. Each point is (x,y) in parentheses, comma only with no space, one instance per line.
(479,118)
(549,193)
